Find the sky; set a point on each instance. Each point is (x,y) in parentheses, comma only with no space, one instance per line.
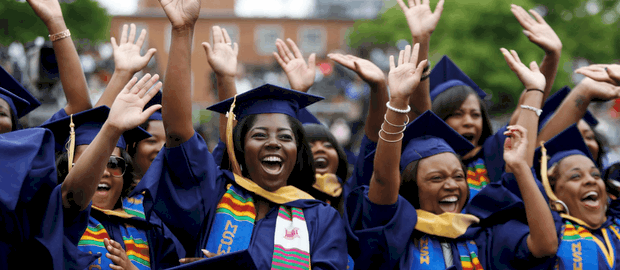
(243,8)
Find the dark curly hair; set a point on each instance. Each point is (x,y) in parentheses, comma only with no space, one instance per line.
(128,176)
(302,175)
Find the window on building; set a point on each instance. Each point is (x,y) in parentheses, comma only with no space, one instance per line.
(265,38)
(312,39)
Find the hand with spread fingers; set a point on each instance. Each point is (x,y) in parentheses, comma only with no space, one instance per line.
(368,71)
(537,30)
(118,256)
(515,146)
(127,53)
(404,78)
(530,77)
(47,10)
(181,13)
(222,55)
(422,21)
(128,111)
(609,73)
(300,75)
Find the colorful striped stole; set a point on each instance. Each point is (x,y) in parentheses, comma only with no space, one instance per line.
(579,249)
(135,240)
(133,206)
(291,240)
(477,177)
(428,254)
(234,222)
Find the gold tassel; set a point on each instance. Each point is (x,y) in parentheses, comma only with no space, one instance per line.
(230,146)
(555,203)
(71,142)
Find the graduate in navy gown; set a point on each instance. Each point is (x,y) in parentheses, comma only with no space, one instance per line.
(96,167)
(420,228)
(32,211)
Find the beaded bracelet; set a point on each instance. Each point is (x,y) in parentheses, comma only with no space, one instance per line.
(397,110)
(536,110)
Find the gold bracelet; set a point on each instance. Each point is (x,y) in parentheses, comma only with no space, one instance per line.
(60,35)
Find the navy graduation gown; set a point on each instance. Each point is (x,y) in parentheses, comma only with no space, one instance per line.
(384,236)
(184,185)
(38,232)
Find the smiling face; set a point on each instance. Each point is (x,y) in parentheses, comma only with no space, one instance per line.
(580,186)
(147,149)
(467,120)
(270,151)
(589,138)
(5,117)
(442,184)
(110,186)
(325,157)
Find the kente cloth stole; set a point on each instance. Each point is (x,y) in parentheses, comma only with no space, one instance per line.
(135,240)
(234,223)
(427,254)
(579,249)
(133,206)
(477,177)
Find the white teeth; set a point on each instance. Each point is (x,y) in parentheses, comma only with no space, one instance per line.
(320,160)
(591,193)
(272,159)
(450,199)
(103,186)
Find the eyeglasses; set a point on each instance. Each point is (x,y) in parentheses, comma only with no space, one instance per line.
(116,166)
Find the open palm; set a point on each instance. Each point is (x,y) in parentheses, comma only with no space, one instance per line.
(368,71)
(404,79)
(515,145)
(181,13)
(128,111)
(222,56)
(300,75)
(127,53)
(421,20)
(538,31)
(531,77)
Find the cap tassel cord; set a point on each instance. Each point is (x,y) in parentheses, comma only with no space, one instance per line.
(230,147)
(71,142)
(555,203)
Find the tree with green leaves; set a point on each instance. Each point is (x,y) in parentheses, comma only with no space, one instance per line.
(471,33)
(85,18)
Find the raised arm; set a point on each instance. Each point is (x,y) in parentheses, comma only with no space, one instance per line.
(375,78)
(541,34)
(422,22)
(126,113)
(177,98)
(575,105)
(542,240)
(222,57)
(403,80)
(69,66)
(300,75)
(533,81)
(127,61)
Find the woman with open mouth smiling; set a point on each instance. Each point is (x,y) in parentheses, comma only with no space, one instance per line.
(409,217)
(256,205)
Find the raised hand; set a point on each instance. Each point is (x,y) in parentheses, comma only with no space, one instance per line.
(127,53)
(117,255)
(422,21)
(602,73)
(598,91)
(300,75)
(530,77)
(368,71)
(404,79)
(515,146)
(538,31)
(127,110)
(181,13)
(47,10)
(222,56)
